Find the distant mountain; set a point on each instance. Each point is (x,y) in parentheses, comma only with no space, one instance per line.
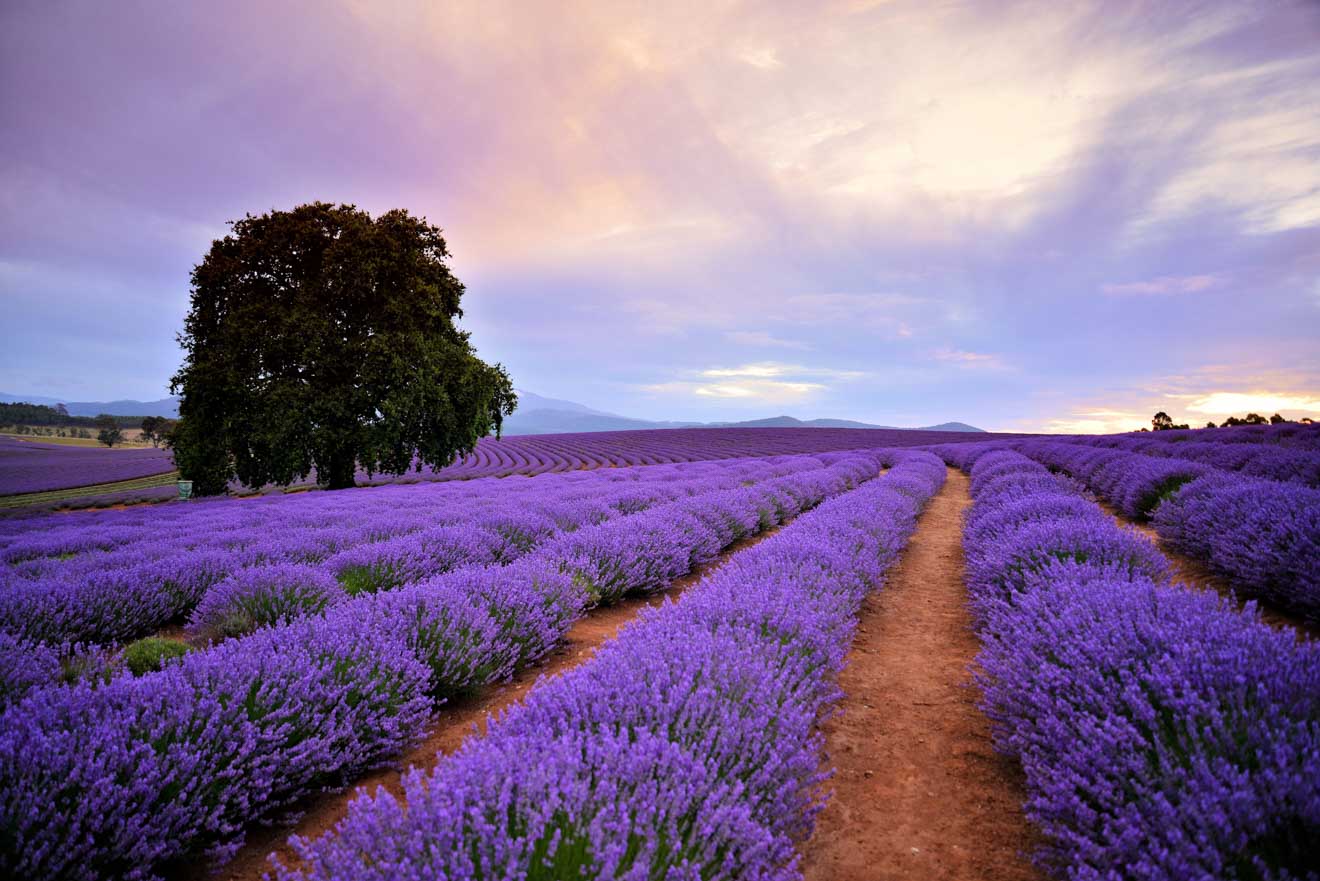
(164,407)
(541,415)
(536,414)
(532,401)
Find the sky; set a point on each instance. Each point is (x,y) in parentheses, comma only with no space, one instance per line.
(1046,216)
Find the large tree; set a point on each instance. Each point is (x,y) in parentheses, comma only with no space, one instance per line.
(321,339)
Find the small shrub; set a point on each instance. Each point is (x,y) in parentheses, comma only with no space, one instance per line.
(152,653)
(357,580)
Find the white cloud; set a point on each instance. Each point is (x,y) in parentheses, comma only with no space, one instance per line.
(762,338)
(1097,422)
(1262,402)
(768,391)
(762,57)
(962,358)
(1164,285)
(763,390)
(767,382)
(765,369)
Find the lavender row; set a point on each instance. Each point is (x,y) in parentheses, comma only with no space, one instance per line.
(1297,462)
(603,556)
(139,599)
(126,778)
(106,581)
(560,453)
(47,535)
(1132,483)
(1262,535)
(687,748)
(1287,435)
(1164,734)
(539,454)
(28,467)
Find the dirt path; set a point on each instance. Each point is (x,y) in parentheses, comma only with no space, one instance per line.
(455,722)
(919,792)
(1196,574)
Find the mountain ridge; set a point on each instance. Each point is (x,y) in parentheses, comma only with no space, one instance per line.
(536,414)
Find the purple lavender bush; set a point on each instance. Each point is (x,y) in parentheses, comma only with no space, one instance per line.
(686,748)
(1164,735)
(385,565)
(115,780)
(29,466)
(1261,535)
(124,779)
(1131,482)
(120,577)
(24,665)
(262,596)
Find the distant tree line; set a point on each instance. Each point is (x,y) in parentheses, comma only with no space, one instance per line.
(1163,422)
(31,418)
(40,414)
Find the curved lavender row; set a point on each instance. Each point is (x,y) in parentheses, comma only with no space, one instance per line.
(684,749)
(90,501)
(1267,461)
(539,454)
(40,536)
(1276,452)
(1164,734)
(132,600)
(1131,482)
(1288,435)
(119,779)
(130,580)
(27,467)
(1263,535)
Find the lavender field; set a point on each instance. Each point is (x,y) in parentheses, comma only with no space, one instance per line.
(33,467)
(862,440)
(293,643)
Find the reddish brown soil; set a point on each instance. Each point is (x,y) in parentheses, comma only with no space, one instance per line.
(1196,574)
(919,792)
(455,722)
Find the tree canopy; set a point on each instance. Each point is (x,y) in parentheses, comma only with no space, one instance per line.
(1163,422)
(109,433)
(319,339)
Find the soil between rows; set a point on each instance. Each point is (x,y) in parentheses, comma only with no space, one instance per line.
(918,791)
(455,722)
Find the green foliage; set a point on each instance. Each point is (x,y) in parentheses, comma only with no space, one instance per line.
(368,579)
(1163,422)
(1249,419)
(22,414)
(321,339)
(151,653)
(110,433)
(157,430)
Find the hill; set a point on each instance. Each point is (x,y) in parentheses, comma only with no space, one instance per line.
(536,414)
(164,407)
(541,415)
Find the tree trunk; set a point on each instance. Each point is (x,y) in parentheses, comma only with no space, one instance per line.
(342,471)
